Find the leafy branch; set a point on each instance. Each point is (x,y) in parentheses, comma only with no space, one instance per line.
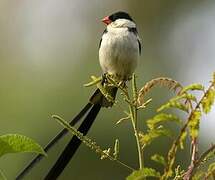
(92,144)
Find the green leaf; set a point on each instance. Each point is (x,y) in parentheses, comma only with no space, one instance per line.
(116,149)
(208,100)
(160,118)
(152,134)
(159,159)
(182,139)
(194,123)
(184,96)
(15,143)
(192,87)
(174,104)
(2,176)
(143,173)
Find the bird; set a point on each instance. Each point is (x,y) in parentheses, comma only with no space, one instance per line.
(119,51)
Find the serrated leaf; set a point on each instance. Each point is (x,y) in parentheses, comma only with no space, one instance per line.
(159,159)
(143,173)
(2,176)
(208,100)
(194,123)
(192,87)
(15,143)
(173,104)
(160,118)
(116,149)
(152,134)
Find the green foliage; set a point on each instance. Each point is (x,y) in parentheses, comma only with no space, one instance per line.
(161,81)
(182,139)
(208,100)
(143,173)
(184,100)
(162,118)
(87,141)
(174,104)
(104,154)
(194,123)
(15,143)
(159,159)
(152,134)
(192,87)
(185,96)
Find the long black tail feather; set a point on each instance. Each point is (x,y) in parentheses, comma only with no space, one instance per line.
(73,145)
(60,135)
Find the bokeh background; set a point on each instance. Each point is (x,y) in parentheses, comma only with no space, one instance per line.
(49,49)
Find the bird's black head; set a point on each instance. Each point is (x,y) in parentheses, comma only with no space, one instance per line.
(120,15)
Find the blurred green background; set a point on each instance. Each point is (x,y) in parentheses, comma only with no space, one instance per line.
(49,49)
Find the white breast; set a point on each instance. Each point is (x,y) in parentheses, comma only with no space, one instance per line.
(118,53)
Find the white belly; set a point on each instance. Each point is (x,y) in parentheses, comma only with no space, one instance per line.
(118,54)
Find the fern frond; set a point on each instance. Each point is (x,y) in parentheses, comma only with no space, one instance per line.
(174,104)
(192,87)
(161,81)
(208,100)
(161,118)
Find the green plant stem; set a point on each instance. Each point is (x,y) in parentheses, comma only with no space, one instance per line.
(133,112)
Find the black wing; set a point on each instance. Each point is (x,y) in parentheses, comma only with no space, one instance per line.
(134,30)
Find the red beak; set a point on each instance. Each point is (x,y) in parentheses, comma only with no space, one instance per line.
(106,20)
